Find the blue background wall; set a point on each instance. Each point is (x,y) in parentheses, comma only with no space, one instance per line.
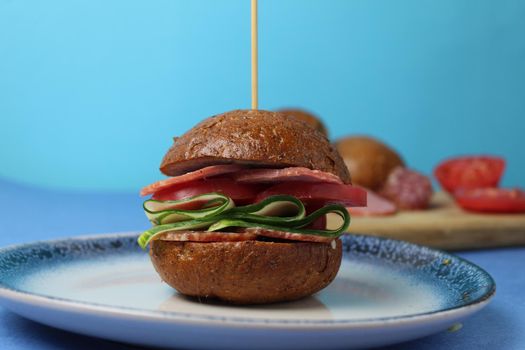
(92,91)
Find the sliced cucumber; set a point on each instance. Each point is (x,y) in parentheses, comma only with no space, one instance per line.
(148,235)
(165,212)
(294,226)
(279,213)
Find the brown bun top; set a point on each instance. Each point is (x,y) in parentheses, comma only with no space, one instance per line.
(306,117)
(369,160)
(253,137)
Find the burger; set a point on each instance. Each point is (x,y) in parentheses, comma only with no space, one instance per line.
(242,216)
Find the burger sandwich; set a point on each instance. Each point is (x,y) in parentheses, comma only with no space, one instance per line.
(242,216)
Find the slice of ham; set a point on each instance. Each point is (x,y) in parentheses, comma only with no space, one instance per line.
(206,236)
(209,171)
(318,193)
(376,206)
(286,174)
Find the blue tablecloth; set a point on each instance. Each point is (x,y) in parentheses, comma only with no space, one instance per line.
(28,214)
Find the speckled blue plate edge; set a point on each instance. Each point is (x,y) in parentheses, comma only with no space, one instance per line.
(469,306)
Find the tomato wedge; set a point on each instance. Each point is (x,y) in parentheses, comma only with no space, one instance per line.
(240,193)
(319,193)
(492,200)
(469,172)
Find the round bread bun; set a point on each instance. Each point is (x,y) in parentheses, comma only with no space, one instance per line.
(254,137)
(306,117)
(247,272)
(368,160)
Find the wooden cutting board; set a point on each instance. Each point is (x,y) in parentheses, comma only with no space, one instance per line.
(446,226)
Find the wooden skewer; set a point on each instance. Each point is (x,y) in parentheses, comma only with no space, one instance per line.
(254,55)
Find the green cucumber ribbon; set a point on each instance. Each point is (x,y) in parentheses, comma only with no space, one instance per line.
(165,212)
(296,226)
(148,235)
(279,213)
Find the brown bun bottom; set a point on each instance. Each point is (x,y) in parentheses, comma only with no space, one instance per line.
(247,272)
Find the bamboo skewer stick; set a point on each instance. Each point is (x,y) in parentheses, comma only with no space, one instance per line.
(254,56)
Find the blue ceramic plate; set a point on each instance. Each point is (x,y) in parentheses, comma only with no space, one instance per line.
(387,291)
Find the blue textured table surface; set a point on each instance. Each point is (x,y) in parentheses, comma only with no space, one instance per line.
(29,214)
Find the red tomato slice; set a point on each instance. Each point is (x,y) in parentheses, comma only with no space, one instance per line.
(320,223)
(492,200)
(319,193)
(469,172)
(240,193)
(190,206)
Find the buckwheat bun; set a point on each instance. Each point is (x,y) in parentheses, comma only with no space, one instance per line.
(306,117)
(369,160)
(253,137)
(247,272)
(242,218)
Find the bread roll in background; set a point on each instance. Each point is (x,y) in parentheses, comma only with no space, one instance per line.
(306,117)
(368,160)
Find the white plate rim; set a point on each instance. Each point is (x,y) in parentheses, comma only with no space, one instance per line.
(67,305)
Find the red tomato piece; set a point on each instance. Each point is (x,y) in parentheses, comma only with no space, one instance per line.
(319,193)
(492,200)
(240,193)
(469,172)
(189,206)
(320,223)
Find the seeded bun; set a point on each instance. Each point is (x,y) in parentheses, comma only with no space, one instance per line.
(369,160)
(254,137)
(247,272)
(306,117)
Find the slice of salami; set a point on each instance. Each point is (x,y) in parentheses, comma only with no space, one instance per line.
(206,236)
(408,189)
(289,235)
(286,174)
(376,206)
(209,171)
(247,235)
